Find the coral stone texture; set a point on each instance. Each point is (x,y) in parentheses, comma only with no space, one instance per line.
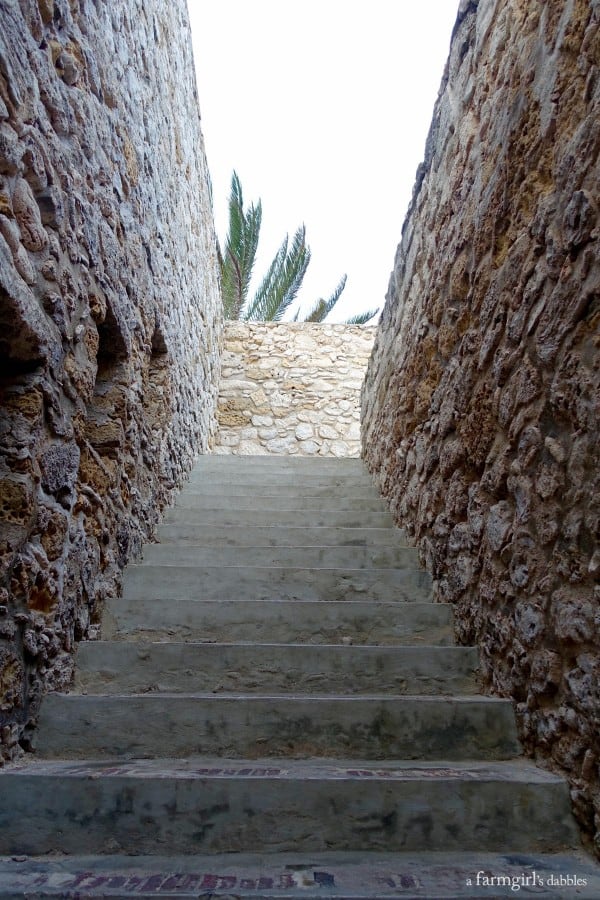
(482,403)
(292,388)
(109,314)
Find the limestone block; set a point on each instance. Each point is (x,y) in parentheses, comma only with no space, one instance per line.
(309,448)
(327,431)
(473,407)
(281,445)
(259,397)
(249,448)
(352,432)
(27,214)
(231,419)
(340,448)
(265,421)
(279,400)
(304,431)
(228,438)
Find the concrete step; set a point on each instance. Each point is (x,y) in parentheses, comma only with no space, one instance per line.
(335,502)
(351,875)
(278,536)
(274,583)
(112,667)
(307,518)
(271,463)
(284,485)
(231,725)
(405,558)
(210,806)
(301,621)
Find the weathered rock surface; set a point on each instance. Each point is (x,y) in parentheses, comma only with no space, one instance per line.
(482,400)
(292,388)
(109,315)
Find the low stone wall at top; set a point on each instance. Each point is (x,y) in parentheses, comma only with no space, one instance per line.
(482,401)
(292,388)
(110,316)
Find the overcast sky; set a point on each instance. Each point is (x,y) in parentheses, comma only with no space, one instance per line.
(322,107)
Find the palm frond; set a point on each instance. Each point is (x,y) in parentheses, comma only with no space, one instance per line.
(237,260)
(282,281)
(279,287)
(263,304)
(361,318)
(322,307)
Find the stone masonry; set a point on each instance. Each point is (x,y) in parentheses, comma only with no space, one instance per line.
(292,388)
(482,400)
(109,315)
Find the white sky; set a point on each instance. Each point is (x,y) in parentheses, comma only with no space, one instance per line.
(322,107)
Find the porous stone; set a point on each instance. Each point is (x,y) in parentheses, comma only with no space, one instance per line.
(484,381)
(301,381)
(110,317)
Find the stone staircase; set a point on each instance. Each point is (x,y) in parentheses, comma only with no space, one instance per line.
(277,709)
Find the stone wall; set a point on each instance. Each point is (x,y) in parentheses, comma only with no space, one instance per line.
(109,315)
(292,388)
(482,402)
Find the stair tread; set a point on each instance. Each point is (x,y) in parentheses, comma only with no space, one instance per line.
(349,875)
(405,649)
(375,570)
(300,697)
(516,769)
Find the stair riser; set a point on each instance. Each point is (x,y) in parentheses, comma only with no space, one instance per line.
(226,463)
(254,583)
(110,667)
(317,622)
(272,536)
(159,725)
(287,485)
(144,816)
(275,501)
(305,557)
(307,518)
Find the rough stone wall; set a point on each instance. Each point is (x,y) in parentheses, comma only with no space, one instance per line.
(109,314)
(481,409)
(292,388)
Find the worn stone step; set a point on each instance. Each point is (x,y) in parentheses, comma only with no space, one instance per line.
(405,558)
(279,536)
(277,501)
(300,621)
(341,875)
(271,463)
(230,725)
(284,485)
(199,806)
(274,583)
(260,515)
(104,667)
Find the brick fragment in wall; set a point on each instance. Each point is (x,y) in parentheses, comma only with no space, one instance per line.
(482,398)
(292,388)
(110,317)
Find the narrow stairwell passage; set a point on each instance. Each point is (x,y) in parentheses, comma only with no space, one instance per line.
(277,709)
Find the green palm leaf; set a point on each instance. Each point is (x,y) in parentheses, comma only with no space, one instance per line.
(361,318)
(323,307)
(279,287)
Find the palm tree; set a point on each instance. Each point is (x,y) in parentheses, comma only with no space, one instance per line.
(279,287)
